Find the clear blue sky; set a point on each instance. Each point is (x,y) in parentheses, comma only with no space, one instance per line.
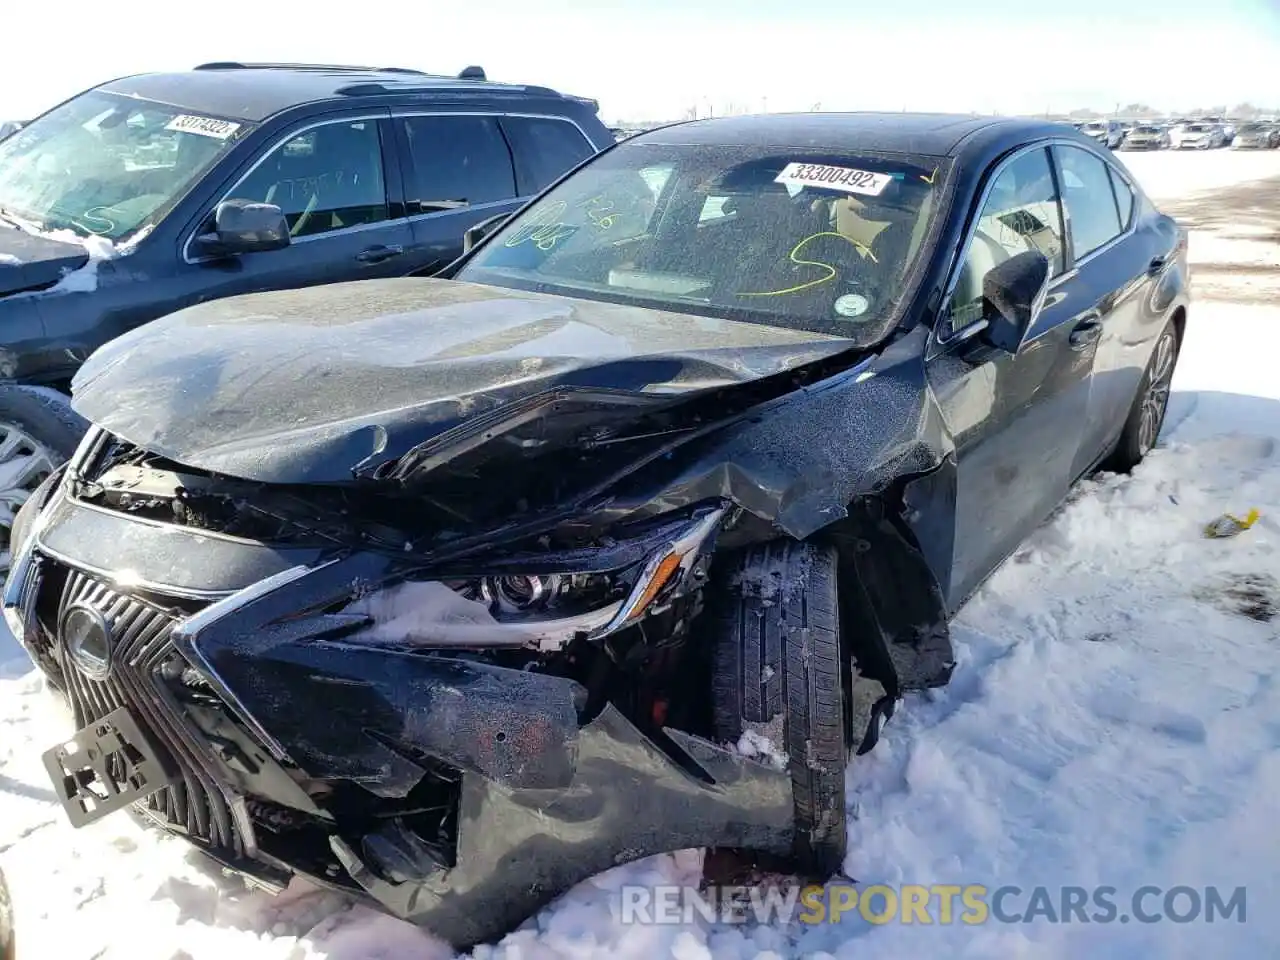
(656,58)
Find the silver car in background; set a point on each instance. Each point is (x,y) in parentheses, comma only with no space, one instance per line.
(1197,136)
(1146,137)
(1108,133)
(1257,136)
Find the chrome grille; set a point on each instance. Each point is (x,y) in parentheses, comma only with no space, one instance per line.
(143,648)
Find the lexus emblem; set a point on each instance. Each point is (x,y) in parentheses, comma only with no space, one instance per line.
(86,634)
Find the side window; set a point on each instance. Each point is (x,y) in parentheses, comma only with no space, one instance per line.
(1087,200)
(456,160)
(544,149)
(1020,214)
(325,178)
(1124,198)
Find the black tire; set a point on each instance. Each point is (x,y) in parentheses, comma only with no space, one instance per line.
(45,414)
(41,426)
(1135,442)
(776,634)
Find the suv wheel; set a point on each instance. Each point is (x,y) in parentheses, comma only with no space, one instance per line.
(38,433)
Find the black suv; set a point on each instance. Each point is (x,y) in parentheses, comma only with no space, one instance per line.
(155,192)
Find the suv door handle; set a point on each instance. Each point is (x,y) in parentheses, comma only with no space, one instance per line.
(379,253)
(1086,332)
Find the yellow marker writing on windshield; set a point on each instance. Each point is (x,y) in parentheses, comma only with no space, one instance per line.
(794,257)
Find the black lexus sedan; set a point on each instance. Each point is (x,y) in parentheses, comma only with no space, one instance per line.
(452,592)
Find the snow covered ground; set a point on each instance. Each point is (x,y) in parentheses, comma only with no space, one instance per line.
(1114,718)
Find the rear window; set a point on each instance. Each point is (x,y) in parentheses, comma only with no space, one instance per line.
(544,150)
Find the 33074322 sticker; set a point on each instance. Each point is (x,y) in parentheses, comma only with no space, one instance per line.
(204,126)
(834,178)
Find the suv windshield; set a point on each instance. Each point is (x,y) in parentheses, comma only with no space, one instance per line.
(107,165)
(813,241)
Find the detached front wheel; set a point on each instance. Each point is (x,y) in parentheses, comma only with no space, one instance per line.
(777,675)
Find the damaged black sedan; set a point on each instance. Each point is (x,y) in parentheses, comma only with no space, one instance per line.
(620,538)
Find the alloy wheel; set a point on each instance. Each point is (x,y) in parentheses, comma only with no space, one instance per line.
(24,465)
(1156,398)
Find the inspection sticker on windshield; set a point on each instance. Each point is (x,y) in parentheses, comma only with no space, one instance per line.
(204,126)
(834,178)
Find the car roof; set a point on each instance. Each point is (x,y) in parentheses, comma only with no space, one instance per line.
(932,134)
(254,92)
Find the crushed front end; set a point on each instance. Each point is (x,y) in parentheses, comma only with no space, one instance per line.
(284,677)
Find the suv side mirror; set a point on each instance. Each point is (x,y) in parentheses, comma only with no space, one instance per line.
(1016,289)
(244,226)
(482,229)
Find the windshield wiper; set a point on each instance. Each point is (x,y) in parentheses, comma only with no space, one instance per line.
(19,223)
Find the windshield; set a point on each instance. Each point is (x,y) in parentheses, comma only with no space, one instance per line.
(1094,126)
(107,165)
(821,242)
(1146,130)
(1196,128)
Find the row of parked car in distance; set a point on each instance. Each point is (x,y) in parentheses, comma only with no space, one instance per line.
(1207,133)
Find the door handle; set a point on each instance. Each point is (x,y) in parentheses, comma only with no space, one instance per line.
(1085,332)
(379,253)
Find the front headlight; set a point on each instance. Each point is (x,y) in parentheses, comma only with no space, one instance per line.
(542,611)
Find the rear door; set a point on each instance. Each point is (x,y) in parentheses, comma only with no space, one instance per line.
(458,171)
(1115,266)
(544,149)
(332,180)
(1017,420)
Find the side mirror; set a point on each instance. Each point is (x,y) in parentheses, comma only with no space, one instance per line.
(482,229)
(1016,290)
(244,226)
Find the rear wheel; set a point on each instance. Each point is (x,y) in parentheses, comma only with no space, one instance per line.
(778,673)
(1146,416)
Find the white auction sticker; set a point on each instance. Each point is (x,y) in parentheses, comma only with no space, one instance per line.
(204,126)
(834,178)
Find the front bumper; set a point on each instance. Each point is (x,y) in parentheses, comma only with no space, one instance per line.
(280,744)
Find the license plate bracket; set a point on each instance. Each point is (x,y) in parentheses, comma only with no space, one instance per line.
(108,765)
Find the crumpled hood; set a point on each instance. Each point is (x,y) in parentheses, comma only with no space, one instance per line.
(29,262)
(301,386)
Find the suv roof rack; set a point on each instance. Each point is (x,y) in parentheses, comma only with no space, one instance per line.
(373,88)
(328,67)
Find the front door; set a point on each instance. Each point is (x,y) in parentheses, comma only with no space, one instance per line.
(1017,420)
(331,181)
